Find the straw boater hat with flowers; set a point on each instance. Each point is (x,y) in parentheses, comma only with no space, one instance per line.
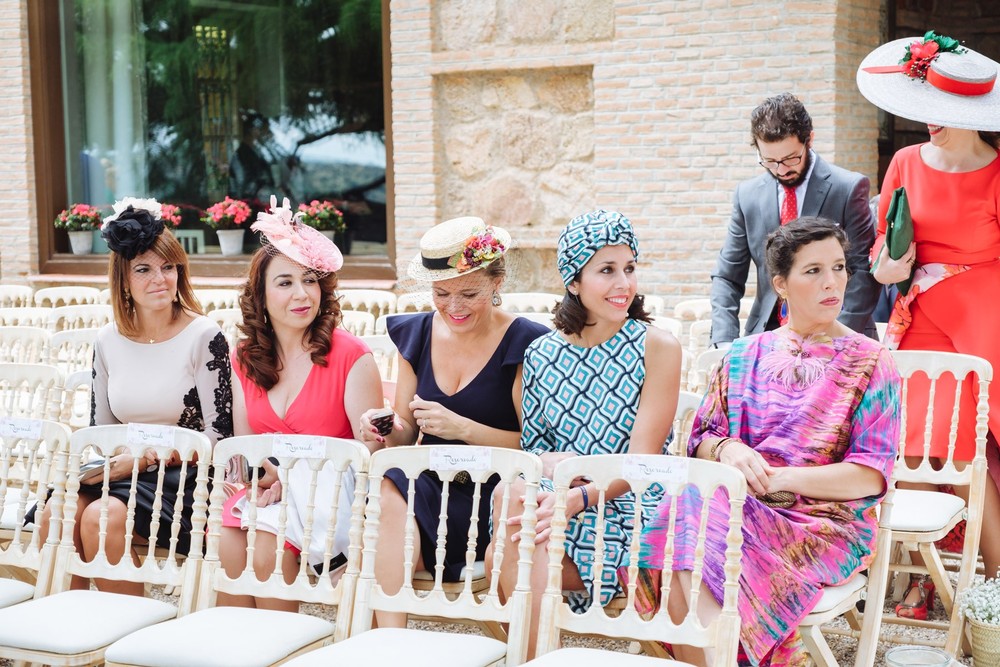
(935,80)
(458,247)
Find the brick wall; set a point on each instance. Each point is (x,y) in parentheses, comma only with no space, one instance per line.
(18,237)
(671,86)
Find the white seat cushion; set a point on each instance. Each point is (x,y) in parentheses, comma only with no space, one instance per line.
(575,657)
(13,591)
(834,596)
(923,511)
(78,621)
(221,637)
(413,648)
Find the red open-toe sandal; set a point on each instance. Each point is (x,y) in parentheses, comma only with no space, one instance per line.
(919,609)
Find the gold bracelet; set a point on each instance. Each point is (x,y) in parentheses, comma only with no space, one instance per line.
(717,448)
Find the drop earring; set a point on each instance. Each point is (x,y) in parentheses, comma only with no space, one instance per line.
(128,300)
(497,300)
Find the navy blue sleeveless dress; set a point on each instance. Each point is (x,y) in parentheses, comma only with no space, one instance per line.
(486,400)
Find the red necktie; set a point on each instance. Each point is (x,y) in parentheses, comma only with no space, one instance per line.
(790,207)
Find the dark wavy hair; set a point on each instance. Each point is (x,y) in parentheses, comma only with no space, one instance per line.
(570,316)
(786,241)
(779,117)
(257,353)
(166,247)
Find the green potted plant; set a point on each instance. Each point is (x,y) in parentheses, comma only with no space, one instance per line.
(226,218)
(79,221)
(980,604)
(325,217)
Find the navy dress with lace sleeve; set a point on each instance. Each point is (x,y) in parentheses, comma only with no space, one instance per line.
(486,400)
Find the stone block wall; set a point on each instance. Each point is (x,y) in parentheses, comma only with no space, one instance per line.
(543,110)
(18,236)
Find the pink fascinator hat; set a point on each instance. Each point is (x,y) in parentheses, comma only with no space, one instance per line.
(284,233)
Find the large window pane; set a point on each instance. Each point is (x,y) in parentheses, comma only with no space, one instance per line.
(192,100)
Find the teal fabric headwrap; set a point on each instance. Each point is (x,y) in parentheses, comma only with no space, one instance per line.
(588,233)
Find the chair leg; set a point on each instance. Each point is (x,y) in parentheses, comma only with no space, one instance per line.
(942,583)
(819,650)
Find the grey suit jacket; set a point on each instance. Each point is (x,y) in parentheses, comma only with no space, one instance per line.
(833,193)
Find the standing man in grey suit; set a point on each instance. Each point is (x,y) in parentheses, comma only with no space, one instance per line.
(795,182)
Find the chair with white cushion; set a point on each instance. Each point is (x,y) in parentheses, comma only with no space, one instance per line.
(68,295)
(375,301)
(391,646)
(23,345)
(842,601)
(920,518)
(212,299)
(385,353)
(414,302)
(73,627)
(16,296)
(27,316)
(676,475)
(219,635)
(228,320)
(357,322)
(30,451)
(530,302)
(33,391)
(72,350)
(86,316)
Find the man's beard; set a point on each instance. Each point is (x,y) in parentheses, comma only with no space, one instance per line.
(802,172)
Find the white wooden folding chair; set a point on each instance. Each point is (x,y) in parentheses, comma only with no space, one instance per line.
(414,302)
(33,391)
(702,368)
(842,600)
(676,475)
(530,302)
(23,345)
(390,646)
(34,448)
(670,324)
(385,353)
(375,301)
(73,627)
(85,316)
(16,296)
(209,633)
(213,299)
(687,406)
(228,320)
(104,296)
(26,316)
(76,399)
(68,295)
(920,518)
(655,305)
(357,322)
(698,336)
(693,309)
(72,350)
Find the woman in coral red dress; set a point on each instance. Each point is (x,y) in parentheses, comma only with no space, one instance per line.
(952,183)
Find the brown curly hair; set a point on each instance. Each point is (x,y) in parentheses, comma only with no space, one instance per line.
(257,353)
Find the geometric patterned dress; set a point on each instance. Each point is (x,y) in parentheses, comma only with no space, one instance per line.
(584,400)
(797,402)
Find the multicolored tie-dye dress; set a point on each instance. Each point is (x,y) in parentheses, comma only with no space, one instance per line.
(584,400)
(798,402)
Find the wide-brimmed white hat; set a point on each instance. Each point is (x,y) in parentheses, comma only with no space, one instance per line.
(457,247)
(949,88)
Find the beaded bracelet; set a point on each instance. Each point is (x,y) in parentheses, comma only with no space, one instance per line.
(716,451)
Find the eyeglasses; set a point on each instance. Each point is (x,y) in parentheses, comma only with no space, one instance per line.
(788,161)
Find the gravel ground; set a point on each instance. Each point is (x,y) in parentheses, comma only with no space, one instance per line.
(843,647)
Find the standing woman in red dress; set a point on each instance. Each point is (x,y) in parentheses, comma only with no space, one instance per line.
(953,186)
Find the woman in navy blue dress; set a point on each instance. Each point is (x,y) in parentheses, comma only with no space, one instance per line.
(459,382)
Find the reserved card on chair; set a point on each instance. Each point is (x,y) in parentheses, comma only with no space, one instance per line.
(664,469)
(20,427)
(150,435)
(469,458)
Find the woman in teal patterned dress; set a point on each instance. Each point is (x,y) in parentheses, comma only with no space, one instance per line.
(604,382)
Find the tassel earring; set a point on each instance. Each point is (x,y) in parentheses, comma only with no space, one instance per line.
(497,300)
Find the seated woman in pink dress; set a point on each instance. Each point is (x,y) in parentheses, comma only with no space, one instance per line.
(809,413)
(295,372)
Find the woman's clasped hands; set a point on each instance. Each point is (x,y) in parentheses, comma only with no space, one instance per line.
(762,477)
